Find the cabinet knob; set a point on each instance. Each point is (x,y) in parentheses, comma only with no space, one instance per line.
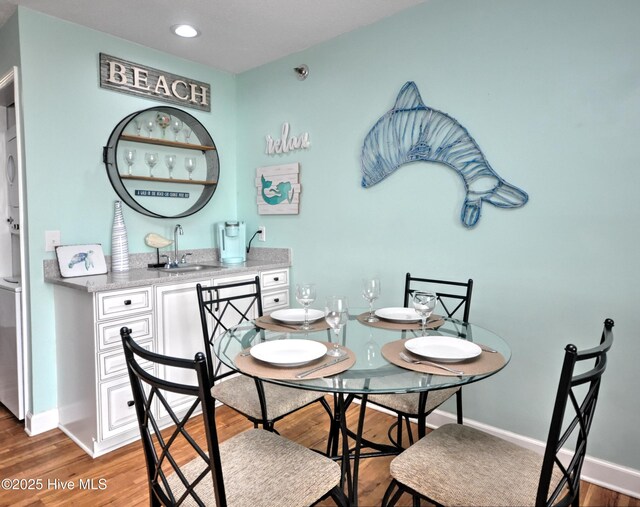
(276,278)
(127,302)
(131,403)
(276,300)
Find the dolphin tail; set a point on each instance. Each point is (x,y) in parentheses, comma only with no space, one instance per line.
(503,196)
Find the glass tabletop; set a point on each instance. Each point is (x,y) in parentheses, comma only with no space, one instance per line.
(371,373)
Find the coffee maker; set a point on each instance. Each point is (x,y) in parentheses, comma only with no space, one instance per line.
(231,241)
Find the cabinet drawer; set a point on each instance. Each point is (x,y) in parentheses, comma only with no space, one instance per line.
(117,412)
(275,299)
(113,363)
(123,302)
(109,332)
(275,278)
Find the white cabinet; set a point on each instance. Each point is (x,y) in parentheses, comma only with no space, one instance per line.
(95,404)
(275,289)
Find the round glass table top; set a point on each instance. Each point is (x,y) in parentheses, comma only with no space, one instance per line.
(371,373)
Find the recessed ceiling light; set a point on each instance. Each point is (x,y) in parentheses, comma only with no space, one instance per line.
(185,31)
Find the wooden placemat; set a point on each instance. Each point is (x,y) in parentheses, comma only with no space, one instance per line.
(251,366)
(486,362)
(266,322)
(433,322)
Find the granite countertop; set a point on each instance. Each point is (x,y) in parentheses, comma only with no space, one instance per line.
(258,259)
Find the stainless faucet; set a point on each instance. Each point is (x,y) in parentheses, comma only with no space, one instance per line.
(176,231)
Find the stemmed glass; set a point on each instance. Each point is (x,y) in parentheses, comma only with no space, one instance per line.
(336,314)
(305,295)
(149,125)
(176,126)
(424,303)
(138,123)
(170,161)
(187,134)
(163,120)
(130,158)
(151,158)
(190,165)
(371,292)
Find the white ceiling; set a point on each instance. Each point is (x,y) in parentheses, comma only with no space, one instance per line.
(236,35)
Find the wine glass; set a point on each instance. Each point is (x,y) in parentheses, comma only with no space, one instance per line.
(163,120)
(176,126)
(149,125)
(151,158)
(190,165)
(129,158)
(187,134)
(138,122)
(371,292)
(305,295)
(424,303)
(336,314)
(170,161)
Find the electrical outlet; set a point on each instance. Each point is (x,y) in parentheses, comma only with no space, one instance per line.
(51,240)
(262,235)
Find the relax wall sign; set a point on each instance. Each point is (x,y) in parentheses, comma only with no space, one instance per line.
(127,77)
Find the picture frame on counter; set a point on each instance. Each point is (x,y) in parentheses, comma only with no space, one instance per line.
(81,260)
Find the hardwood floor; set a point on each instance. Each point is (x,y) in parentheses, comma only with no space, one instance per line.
(51,464)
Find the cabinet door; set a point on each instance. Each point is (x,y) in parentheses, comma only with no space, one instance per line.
(179,332)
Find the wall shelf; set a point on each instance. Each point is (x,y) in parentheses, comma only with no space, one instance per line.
(165,142)
(167,180)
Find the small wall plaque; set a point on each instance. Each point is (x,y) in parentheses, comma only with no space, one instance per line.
(278,189)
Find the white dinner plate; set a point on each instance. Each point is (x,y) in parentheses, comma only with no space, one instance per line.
(398,314)
(443,348)
(288,352)
(296,315)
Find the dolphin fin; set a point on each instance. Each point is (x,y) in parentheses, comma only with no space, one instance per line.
(409,97)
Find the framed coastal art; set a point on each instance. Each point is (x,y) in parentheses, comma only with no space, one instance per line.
(278,189)
(81,260)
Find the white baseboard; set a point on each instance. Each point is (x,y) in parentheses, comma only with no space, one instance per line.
(596,471)
(34,424)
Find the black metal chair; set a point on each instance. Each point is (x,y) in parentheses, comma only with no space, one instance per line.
(263,403)
(453,298)
(186,465)
(459,465)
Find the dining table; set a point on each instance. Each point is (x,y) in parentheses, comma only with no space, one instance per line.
(388,356)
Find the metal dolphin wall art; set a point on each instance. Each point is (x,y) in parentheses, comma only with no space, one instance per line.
(413,132)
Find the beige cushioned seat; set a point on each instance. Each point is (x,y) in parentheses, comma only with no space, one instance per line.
(240,393)
(262,469)
(408,403)
(456,465)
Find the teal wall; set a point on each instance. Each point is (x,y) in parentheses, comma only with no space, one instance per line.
(550,92)
(67,120)
(548,89)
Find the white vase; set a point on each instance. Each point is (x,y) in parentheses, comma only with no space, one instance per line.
(119,242)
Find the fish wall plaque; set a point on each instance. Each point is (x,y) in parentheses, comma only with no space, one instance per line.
(411,132)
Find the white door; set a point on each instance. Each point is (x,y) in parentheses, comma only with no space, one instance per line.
(179,332)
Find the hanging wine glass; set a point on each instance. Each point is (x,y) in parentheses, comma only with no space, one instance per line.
(170,161)
(190,165)
(151,158)
(176,126)
(163,120)
(130,158)
(149,126)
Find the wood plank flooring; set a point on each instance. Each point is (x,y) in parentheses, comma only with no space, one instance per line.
(119,478)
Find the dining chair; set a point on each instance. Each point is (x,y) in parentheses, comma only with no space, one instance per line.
(460,465)
(186,465)
(263,403)
(454,299)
